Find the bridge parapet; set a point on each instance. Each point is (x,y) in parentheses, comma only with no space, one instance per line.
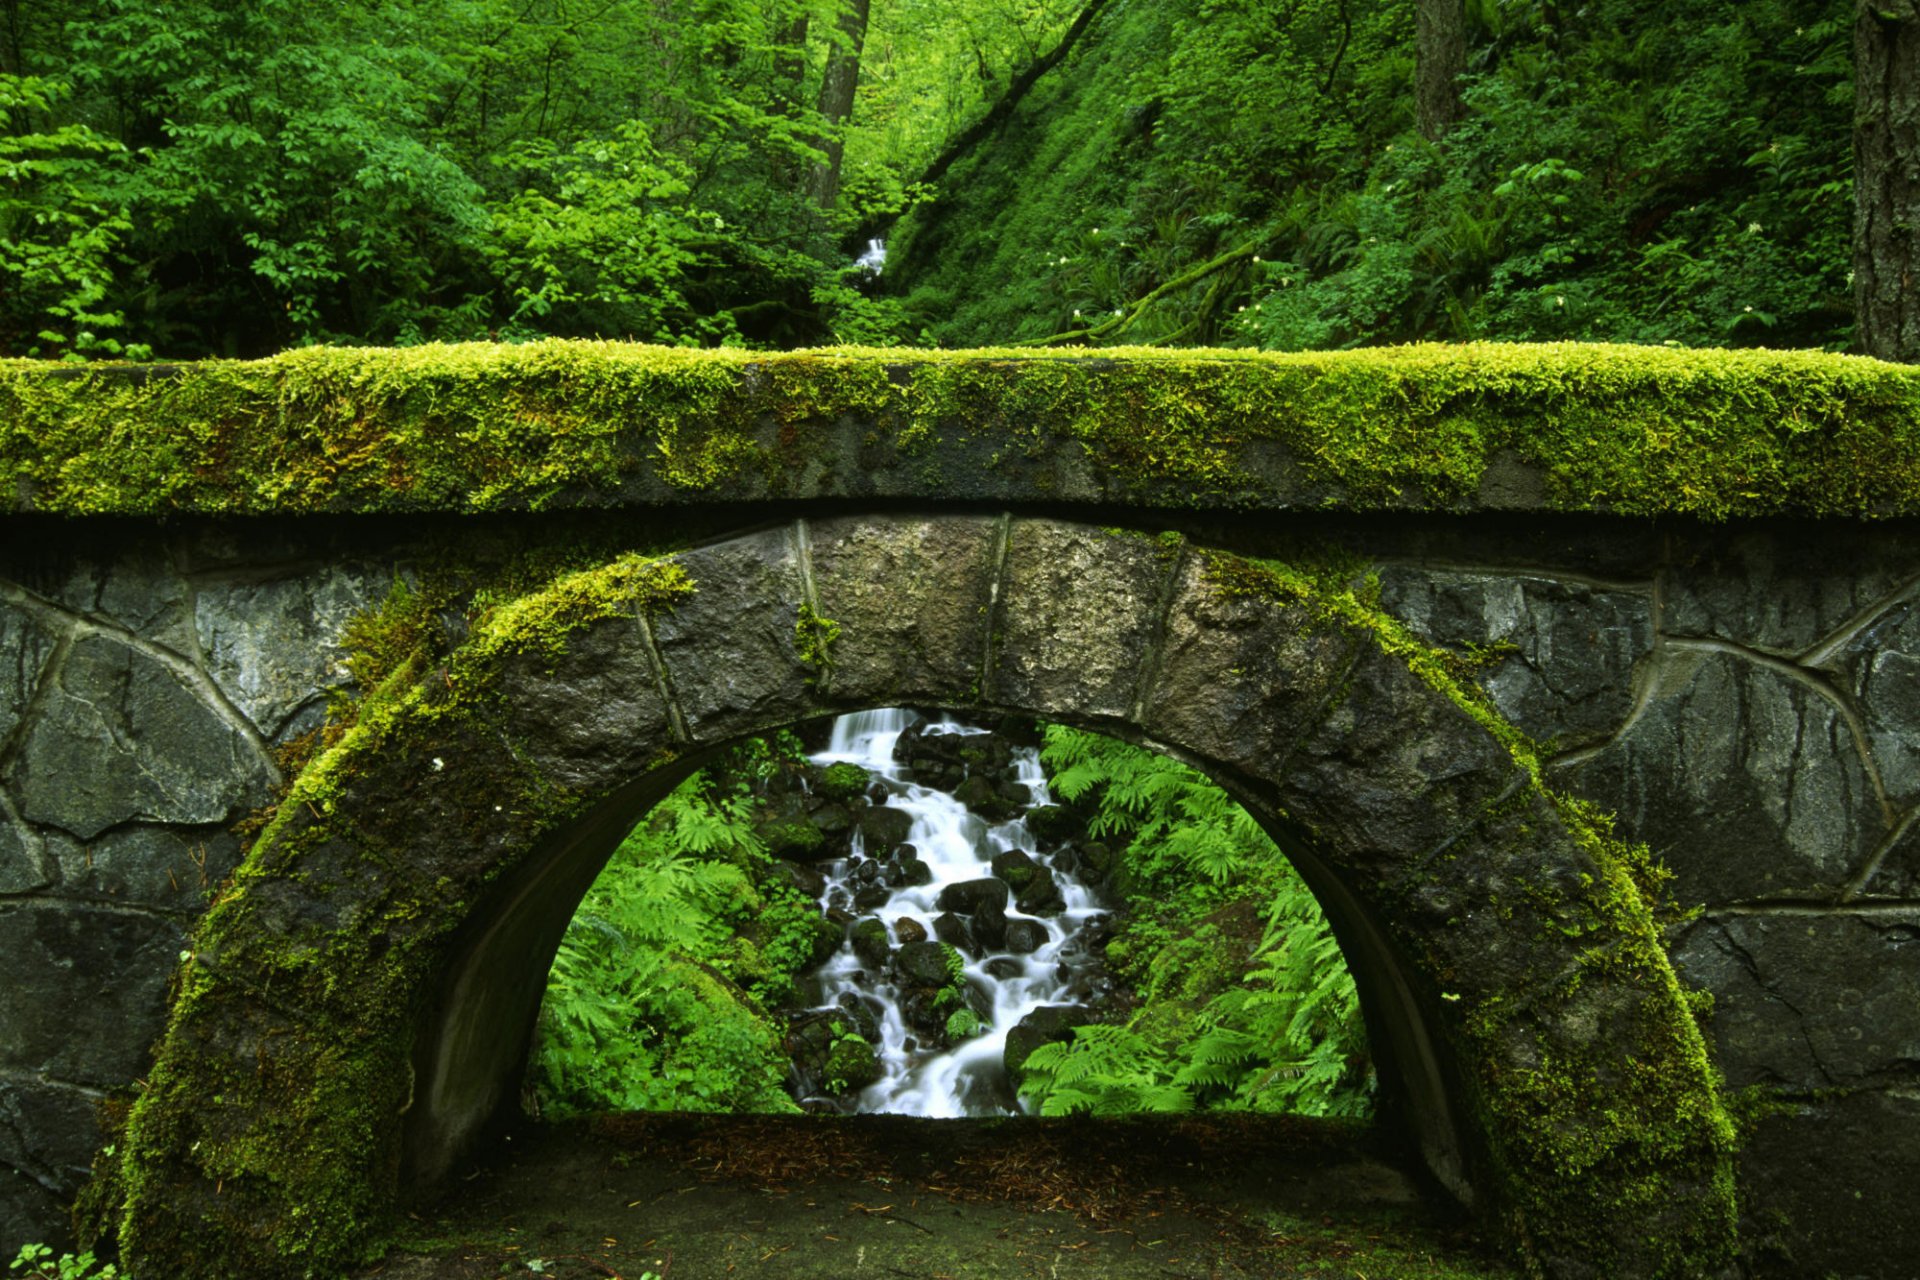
(1743,694)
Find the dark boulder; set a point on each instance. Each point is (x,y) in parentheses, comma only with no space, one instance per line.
(1016,867)
(1025,936)
(1042,896)
(870,941)
(885,827)
(842,782)
(907,929)
(1051,824)
(995,802)
(908,872)
(924,964)
(969,896)
(829,1054)
(952,930)
(989,927)
(805,879)
(872,898)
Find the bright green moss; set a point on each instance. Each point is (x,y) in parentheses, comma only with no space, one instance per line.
(479,427)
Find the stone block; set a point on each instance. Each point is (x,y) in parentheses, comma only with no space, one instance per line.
(1827,1188)
(1778,589)
(1078,611)
(1880,666)
(119,739)
(86,990)
(1742,778)
(49,1132)
(27,644)
(1566,675)
(731,647)
(912,598)
(274,647)
(1284,673)
(161,868)
(593,717)
(23,858)
(1809,1001)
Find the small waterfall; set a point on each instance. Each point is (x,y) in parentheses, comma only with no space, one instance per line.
(956,846)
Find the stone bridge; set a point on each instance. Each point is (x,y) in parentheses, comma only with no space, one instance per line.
(1582,684)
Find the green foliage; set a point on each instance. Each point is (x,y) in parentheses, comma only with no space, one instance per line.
(59,229)
(1628,173)
(654,1000)
(1274,1026)
(37,1262)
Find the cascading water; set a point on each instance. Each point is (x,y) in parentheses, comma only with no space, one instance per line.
(1039,960)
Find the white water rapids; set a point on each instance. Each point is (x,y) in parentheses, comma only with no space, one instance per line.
(958,846)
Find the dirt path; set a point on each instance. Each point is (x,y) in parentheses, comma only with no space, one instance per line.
(699,1198)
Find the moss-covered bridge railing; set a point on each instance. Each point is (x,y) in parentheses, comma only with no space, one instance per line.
(1583,683)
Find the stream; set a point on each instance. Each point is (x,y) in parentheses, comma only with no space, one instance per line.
(1037,954)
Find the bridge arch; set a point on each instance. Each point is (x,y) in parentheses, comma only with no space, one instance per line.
(357,1005)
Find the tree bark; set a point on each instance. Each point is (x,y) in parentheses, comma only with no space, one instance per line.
(836,100)
(1886,178)
(1440,50)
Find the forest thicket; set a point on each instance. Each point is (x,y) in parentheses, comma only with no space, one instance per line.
(205,177)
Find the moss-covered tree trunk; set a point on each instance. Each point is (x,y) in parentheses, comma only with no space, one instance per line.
(836,99)
(1441,50)
(1886,172)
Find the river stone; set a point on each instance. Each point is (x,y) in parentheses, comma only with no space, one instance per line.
(1095,861)
(872,898)
(809,882)
(870,942)
(907,929)
(794,840)
(1078,610)
(86,990)
(884,826)
(1016,867)
(1880,666)
(730,646)
(1777,591)
(1005,967)
(968,896)
(165,868)
(1024,937)
(843,782)
(911,597)
(1051,824)
(988,926)
(274,647)
(1742,779)
(1042,895)
(1049,1024)
(119,739)
(952,930)
(983,798)
(864,1012)
(1812,1002)
(1569,675)
(593,716)
(831,820)
(923,964)
(907,873)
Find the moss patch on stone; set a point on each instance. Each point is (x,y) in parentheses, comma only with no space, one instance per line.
(478,427)
(1658,1139)
(264,1143)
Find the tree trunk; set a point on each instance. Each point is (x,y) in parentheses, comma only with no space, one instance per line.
(836,100)
(1440,28)
(1886,178)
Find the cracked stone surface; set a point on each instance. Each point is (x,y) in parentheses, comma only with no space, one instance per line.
(1743,779)
(23,859)
(1772,590)
(1569,675)
(85,995)
(274,647)
(120,739)
(162,868)
(1880,666)
(27,644)
(1810,1001)
(1898,875)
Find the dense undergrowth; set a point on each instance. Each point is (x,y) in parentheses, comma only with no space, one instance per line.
(672,988)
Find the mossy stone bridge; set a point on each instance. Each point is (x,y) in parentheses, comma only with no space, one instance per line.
(1581,683)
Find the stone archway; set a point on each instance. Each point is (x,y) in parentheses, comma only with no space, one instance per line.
(357,1005)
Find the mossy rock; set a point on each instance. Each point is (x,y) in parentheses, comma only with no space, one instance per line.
(843,781)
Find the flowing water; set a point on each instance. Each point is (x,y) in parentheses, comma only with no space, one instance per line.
(957,846)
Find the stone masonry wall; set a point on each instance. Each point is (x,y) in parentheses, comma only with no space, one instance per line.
(1746,700)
